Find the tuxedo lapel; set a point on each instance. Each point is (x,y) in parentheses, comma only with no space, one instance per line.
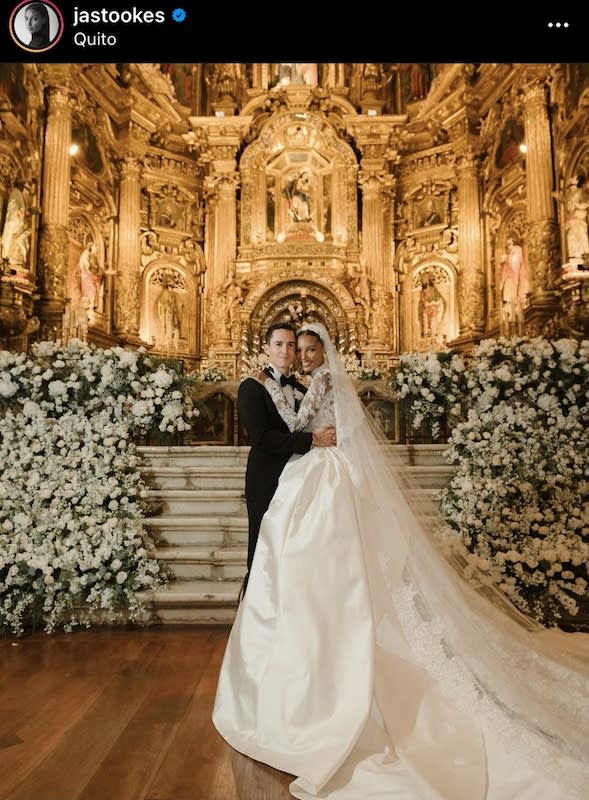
(298,387)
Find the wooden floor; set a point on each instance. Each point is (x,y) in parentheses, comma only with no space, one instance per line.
(120,714)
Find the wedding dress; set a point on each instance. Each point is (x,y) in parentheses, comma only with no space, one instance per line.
(361,663)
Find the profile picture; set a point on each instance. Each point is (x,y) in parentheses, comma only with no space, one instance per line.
(36,26)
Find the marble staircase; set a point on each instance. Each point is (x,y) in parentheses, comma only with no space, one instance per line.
(199,522)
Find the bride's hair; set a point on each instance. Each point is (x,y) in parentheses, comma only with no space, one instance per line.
(309,332)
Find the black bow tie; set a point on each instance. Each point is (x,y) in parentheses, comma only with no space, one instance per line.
(291,380)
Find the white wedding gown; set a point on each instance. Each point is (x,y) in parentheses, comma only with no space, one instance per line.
(354,690)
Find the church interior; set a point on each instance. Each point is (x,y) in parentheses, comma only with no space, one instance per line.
(184,208)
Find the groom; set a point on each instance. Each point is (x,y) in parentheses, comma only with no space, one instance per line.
(271,442)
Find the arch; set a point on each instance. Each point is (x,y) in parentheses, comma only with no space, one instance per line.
(298,298)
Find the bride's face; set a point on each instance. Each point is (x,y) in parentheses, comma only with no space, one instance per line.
(311,352)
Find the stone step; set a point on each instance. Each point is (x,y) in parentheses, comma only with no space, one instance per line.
(191,563)
(213,455)
(195,477)
(204,602)
(418,455)
(200,522)
(198,501)
(197,455)
(431,476)
(198,531)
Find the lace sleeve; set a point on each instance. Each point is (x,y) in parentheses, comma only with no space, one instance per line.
(310,404)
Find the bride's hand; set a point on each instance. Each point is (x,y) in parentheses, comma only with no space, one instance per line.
(262,376)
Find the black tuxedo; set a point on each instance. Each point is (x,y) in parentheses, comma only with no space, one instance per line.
(272,444)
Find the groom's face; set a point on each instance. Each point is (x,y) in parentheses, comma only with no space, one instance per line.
(281,349)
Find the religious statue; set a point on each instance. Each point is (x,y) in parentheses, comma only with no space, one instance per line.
(16,234)
(169,314)
(298,195)
(513,282)
(91,278)
(430,308)
(577,232)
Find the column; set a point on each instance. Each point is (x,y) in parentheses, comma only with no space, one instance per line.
(221,251)
(373,224)
(471,287)
(128,277)
(53,239)
(543,237)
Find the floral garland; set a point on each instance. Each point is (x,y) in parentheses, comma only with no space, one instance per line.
(517,506)
(72,495)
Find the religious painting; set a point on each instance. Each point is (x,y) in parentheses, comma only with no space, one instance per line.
(88,153)
(302,74)
(168,213)
(182,81)
(430,211)
(508,149)
(13,89)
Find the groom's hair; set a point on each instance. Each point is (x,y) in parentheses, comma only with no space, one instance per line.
(279,326)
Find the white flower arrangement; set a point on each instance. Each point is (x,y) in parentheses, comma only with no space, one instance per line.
(362,372)
(212,374)
(79,376)
(72,496)
(517,506)
(366,373)
(432,384)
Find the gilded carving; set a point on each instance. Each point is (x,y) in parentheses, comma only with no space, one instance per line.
(8,170)
(217,329)
(472,308)
(535,92)
(382,321)
(178,166)
(127,302)
(53,250)
(58,100)
(426,163)
(130,166)
(543,255)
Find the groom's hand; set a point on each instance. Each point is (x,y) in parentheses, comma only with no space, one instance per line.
(324,437)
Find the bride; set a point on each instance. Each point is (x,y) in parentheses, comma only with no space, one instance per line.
(361,663)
